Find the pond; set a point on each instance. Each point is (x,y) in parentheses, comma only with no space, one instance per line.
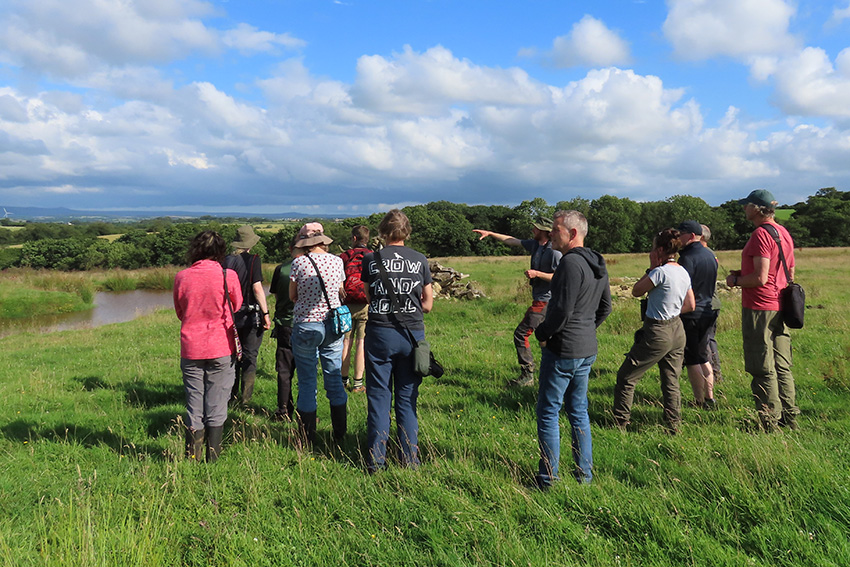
(109,307)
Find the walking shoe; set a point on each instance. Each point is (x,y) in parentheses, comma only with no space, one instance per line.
(357,386)
(709,404)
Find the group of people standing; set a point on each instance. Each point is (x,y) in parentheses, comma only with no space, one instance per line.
(571,298)
(389,291)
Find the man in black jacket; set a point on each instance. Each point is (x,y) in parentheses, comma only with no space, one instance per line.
(581,300)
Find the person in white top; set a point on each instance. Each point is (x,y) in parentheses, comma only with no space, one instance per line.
(662,339)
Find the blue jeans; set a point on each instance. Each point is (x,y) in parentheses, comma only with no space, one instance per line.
(389,370)
(312,342)
(563,381)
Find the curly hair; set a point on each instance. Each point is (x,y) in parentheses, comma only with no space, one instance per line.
(207,245)
(668,241)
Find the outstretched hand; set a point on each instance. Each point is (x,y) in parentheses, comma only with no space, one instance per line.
(484,233)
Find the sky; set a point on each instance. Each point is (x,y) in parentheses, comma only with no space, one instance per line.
(357,106)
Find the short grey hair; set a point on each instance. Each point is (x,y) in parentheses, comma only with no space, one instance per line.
(573,220)
(706,233)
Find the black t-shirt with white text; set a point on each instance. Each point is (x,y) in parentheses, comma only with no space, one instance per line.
(408,273)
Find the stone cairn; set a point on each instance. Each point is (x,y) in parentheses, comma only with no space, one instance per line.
(447,283)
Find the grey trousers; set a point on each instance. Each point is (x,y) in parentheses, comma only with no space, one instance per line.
(207,384)
(658,342)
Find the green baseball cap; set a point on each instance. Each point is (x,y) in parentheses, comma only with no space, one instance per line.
(760,197)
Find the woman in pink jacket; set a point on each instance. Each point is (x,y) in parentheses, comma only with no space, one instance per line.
(207,344)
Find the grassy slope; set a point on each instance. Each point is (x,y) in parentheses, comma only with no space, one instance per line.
(88,444)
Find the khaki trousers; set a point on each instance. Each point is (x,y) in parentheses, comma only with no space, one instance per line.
(767,358)
(658,342)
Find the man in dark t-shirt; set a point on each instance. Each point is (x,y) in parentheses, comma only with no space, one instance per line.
(544,261)
(701,265)
(252,319)
(284,359)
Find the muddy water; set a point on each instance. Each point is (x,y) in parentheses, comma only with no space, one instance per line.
(109,307)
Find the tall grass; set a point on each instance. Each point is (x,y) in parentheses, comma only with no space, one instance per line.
(90,452)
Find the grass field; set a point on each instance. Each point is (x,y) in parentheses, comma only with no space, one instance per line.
(92,475)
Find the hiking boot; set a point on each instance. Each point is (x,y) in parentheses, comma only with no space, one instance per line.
(526,377)
(789,421)
(523,381)
(358,386)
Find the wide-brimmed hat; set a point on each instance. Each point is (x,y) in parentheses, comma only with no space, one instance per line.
(543,223)
(691,226)
(245,238)
(311,234)
(760,197)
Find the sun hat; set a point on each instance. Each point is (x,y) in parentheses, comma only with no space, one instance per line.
(245,238)
(311,234)
(543,223)
(760,197)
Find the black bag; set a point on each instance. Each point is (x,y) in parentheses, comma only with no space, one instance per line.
(424,362)
(792,304)
(792,299)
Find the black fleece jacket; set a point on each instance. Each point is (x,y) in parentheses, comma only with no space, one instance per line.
(581,300)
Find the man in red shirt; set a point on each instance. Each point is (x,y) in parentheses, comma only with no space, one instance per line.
(767,344)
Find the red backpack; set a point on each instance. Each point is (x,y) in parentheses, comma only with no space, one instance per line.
(353,286)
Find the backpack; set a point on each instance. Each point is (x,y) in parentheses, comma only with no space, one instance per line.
(352,259)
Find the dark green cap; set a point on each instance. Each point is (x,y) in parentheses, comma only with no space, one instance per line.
(760,197)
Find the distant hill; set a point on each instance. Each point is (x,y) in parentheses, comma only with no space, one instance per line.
(61,214)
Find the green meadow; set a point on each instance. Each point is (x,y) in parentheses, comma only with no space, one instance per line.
(92,474)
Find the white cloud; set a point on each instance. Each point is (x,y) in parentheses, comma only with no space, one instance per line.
(408,128)
(808,84)
(841,14)
(424,83)
(701,29)
(72,39)
(246,39)
(590,43)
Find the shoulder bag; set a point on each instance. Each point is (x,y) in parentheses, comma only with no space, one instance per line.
(424,361)
(233,330)
(792,299)
(341,316)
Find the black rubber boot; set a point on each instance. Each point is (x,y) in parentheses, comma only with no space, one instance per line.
(214,435)
(248,379)
(195,445)
(339,420)
(306,428)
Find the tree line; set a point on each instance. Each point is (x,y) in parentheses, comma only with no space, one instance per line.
(441,228)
